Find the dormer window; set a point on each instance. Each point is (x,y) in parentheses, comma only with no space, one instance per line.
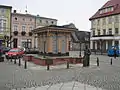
(106,10)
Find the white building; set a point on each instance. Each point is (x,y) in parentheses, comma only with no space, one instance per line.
(105,26)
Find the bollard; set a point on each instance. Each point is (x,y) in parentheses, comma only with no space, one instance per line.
(25,66)
(7,59)
(19,62)
(15,59)
(48,67)
(97,61)
(111,61)
(11,59)
(67,64)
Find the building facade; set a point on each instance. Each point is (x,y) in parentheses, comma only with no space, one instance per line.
(22,24)
(5,23)
(105,26)
(54,39)
(43,21)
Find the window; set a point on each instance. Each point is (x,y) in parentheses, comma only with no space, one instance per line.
(93,32)
(4,25)
(23,28)
(23,19)
(0,26)
(110,31)
(104,31)
(104,21)
(98,32)
(110,20)
(116,19)
(116,43)
(52,22)
(98,22)
(47,22)
(30,28)
(30,19)
(93,22)
(116,31)
(15,18)
(15,27)
(2,10)
(40,21)
(105,10)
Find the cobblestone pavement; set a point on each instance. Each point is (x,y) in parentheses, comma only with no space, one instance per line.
(106,76)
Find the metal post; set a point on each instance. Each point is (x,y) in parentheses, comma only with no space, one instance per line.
(97,61)
(67,64)
(7,59)
(111,61)
(19,62)
(15,59)
(48,67)
(25,66)
(11,58)
(80,49)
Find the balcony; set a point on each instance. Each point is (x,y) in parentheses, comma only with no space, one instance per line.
(103,37)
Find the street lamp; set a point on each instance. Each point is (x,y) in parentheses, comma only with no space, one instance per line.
(80,49)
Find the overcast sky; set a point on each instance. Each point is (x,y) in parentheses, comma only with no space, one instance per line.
(66,11)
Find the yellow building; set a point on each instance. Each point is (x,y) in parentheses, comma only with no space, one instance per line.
(54,39)
(105,26)
(5,22)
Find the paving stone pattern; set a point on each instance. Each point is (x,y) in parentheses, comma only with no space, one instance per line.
(106,76)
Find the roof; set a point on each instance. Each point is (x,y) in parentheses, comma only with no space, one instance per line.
(54,27)
(30,15)
(4,6)
(114,3)
(48,18)
(21,14)
(78,36)
(45,18)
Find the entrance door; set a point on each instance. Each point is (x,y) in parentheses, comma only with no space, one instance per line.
(109,43)
(15,42)
(104,46)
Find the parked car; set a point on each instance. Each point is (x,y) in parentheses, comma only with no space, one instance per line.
(5,49)
(110,51)
(15,52)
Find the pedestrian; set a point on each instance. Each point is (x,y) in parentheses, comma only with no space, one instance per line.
(115,53)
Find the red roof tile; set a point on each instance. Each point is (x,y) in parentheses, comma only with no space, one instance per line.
(114,3)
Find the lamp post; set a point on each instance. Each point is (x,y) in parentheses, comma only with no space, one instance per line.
(80,48)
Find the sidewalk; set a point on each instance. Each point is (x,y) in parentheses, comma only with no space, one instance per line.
(32,66)
(64,86)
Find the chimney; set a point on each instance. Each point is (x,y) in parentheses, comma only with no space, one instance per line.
(14,11)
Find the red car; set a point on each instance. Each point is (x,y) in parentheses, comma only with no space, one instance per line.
(14,52)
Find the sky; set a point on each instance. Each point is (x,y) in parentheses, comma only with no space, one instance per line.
(65,11)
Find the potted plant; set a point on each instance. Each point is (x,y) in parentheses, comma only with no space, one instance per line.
(23,33)
(15,33)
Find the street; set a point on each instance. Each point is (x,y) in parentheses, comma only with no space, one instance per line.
(105,76)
